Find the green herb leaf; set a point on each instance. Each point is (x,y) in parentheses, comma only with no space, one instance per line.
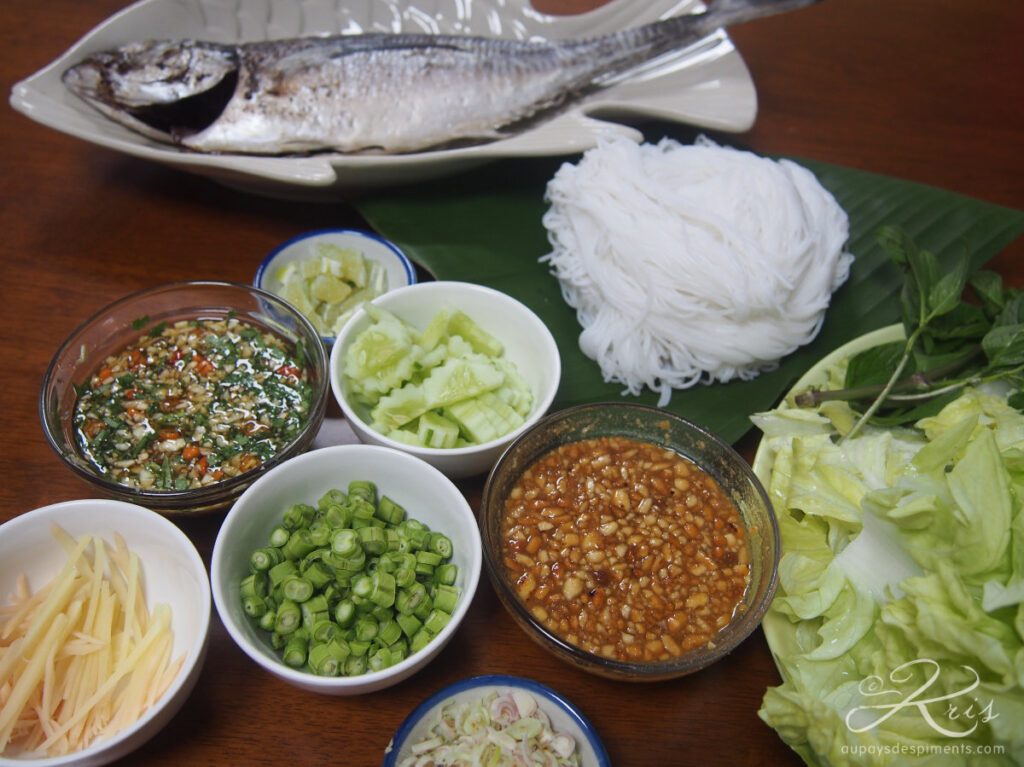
(924,275)
(1013,310)
(988,287)
(1004,345)
(964,322)
(140,322)
(872,367)
(944,294)
(157,329)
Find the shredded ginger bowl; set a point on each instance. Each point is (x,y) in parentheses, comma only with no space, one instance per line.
(179,441)
(171,573)
(620,576)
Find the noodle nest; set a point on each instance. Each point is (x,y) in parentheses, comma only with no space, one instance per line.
(690,264)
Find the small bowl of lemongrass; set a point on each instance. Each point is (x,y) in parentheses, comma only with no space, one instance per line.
(329,273)
(512,716)
(449,372)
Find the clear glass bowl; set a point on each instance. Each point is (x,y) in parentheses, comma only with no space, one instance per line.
(645,424)
(114,327)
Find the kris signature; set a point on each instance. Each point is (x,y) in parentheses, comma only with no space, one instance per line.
(874,686)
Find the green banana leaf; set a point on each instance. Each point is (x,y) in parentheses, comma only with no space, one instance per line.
(485,227)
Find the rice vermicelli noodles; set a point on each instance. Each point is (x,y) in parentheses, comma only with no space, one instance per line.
(692,263)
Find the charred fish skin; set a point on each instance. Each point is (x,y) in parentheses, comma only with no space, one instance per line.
(391,93)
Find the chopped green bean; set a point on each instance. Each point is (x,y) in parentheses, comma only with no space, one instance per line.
(345,613)
(279,572)
(441,545)
(355,665)
(255,585)
(436,620)
(289,617)
(361,488)
(298,516)
(320,575)
(300,543)
(358,647)
(279,536)
(445,598)
(331,498)
(420,640)
(346,542)
(265,558)
(389,632)
(446,574)
(382,589)
(254,606)
(268,619)
(325,630)
(405,576)
(297,588)
(366,629)
(338,516)
(409,624)
(389,511)
(320,532)
(295,652)
(351,584)
(373,540)
(380,659)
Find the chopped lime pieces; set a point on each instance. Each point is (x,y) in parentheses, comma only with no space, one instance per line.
(329,286)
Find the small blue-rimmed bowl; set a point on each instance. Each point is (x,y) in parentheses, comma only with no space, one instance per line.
(564,716)
(397,267)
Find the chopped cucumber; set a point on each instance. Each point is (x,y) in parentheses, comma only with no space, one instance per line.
(437,431)
(457,380)
(399,408)
(445,387)
(382,357)
(482,342)
(406,437)
(474,421)
(436,332)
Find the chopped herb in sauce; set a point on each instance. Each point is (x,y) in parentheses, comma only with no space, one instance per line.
(190,404)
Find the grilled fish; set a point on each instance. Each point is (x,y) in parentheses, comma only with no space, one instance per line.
(389,93)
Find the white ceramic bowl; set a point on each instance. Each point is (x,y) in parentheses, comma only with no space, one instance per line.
(564,716)
(527,340)
(173,573)
(397,266)
(425,493)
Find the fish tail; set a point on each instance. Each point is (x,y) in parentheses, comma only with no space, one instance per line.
(728,13)
(620,51)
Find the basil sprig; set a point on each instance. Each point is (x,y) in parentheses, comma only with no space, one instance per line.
(962,328)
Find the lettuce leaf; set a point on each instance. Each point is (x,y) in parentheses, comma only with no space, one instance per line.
(903,576)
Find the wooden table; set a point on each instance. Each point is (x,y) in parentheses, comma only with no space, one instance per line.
(929,90)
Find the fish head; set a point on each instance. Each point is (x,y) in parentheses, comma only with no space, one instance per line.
(164,89)
(151,72)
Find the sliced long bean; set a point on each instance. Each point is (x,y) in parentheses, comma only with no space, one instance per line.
(351,584)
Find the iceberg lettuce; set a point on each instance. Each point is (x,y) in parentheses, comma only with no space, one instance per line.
(898,628)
